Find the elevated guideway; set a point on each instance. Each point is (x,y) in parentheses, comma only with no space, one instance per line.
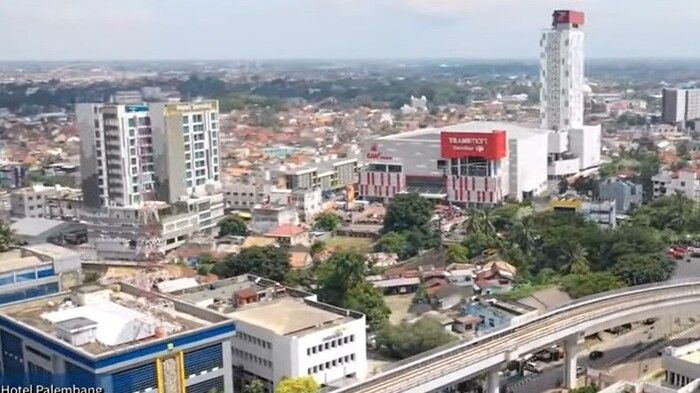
(567,324)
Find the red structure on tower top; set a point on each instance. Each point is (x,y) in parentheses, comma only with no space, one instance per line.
(576,18)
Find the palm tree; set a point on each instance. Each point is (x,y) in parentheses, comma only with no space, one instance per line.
(479,221)
(522,235)
(575,261)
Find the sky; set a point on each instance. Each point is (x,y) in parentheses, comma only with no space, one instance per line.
(335,29)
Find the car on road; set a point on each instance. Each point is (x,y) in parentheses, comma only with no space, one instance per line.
(595,355)
(534,367)
(694,252)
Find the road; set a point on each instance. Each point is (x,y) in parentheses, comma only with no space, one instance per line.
(617,349)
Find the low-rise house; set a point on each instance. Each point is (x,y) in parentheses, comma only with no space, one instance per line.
(497,314)
(290,235)
(495,277)
(397,286)
(266,218)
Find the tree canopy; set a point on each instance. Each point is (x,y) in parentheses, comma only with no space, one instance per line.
(635,269)
(328,221)
(341,283)
(408,339)
(298,385)
(408,212)
(407,226)
(580,285)
(269,262)
(232,225)
(254,386)
(368,300)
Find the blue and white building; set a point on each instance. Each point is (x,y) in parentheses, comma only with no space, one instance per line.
(37,270)
(119,338)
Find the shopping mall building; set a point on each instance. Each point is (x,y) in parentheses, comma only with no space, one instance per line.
(475,163)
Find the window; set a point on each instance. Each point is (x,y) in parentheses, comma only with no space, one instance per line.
(132,122)
(212,115)
(197,118)
(185,119)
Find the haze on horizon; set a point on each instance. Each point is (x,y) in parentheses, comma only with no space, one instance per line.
(335,29)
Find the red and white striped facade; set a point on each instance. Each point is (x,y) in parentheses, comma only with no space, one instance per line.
(473,189)
(381,184)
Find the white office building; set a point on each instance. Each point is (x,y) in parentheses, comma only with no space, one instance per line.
(282,332)
(573,146)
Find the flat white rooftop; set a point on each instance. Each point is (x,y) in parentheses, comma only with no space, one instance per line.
(287,316)
(431,134)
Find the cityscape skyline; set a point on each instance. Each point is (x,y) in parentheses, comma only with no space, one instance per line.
(333,29)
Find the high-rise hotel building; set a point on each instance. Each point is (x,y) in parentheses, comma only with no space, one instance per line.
(149,171)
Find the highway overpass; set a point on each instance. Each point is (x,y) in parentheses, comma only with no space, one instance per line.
(567,324)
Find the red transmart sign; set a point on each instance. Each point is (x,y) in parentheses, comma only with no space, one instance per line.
(490,146)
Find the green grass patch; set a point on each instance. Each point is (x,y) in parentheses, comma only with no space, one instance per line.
(361,244)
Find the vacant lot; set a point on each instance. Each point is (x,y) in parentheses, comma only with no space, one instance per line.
(361,244)
(399,305)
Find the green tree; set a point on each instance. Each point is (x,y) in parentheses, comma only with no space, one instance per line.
(575,261)
(408,212)
(632,239)
(368,300)
(643,269)
(317,248)
(328,221)
(342,271)
(408,339)
(391,242)
(480,221)
(580,285)
(254,386)
(7,239)
(298,385)
(302,278)
(269,262)
(204,268)
(232,225)
(457,253)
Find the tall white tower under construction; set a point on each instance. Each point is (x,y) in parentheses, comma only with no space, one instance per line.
(561,74)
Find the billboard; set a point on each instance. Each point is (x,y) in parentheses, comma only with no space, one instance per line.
(490,146)
(568,16)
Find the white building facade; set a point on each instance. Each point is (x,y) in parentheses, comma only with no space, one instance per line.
(573,146)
